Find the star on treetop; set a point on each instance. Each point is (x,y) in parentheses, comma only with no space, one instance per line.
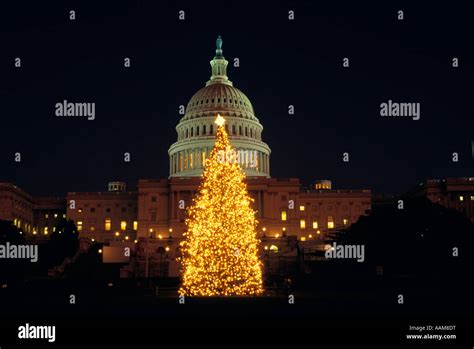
(219,120)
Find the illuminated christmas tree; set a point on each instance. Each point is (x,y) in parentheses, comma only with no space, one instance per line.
(220,250)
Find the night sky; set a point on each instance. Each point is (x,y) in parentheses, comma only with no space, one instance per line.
(282,62)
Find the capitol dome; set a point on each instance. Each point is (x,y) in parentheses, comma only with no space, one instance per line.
(196,129)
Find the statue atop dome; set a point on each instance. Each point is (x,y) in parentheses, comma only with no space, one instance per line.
(219,47)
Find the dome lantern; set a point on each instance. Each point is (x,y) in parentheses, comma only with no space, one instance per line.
(219,66)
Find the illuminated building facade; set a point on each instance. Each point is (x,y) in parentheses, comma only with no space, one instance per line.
(105,216)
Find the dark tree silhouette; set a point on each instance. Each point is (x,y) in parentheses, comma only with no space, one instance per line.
(420,239)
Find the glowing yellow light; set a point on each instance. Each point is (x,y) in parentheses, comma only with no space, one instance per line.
(219,120)
(315,225)
(92,239)
(318,232)
(135,225)
(100,250)
(123,225)
(284,229)
(167,249)
(310,236)
(283,215)
(266,247)
(301,208)
(126,237)
(220,250)
(34,232)
(303,238)
(117,233)
(277,236)
(264,229)
(170,230)
(151,230)
(160,236)
(302,224)
(108,224)
(135,241)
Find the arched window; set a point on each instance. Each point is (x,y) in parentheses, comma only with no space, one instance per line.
(246,132)
(203,129)
(187,133)
(192,131)
(197,131)
(330,222)
(211,129)
(251,132)
(240,130)
(233,129)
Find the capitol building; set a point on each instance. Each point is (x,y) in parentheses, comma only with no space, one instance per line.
(151,218)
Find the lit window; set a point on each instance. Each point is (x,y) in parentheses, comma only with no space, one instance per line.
(345,221)
(330,222)
(46,216)
(54,229)
(283,215)
(302,224)
(55,215)
(92,228)
(472,197)
(123,225)
(64,215)
(79,226)
(303,238)
(191,160)
(45,230)
(108,224)
(14,222)
(135,225)
(315,225)
(461,198)
(301,208)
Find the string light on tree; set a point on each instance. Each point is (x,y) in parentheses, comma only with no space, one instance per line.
(220,250)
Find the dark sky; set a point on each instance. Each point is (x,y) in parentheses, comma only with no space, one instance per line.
(282,63)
